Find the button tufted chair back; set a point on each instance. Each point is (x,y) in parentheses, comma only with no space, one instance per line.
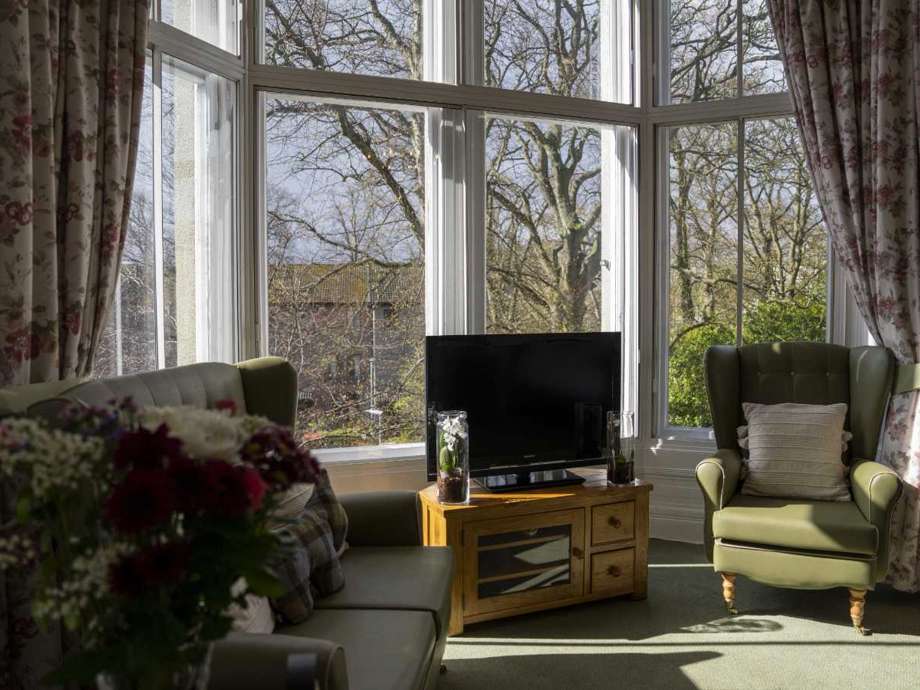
(814,373)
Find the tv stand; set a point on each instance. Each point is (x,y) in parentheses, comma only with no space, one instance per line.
(533,550)
(521,481)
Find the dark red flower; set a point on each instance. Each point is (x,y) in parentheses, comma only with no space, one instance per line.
(144,449)
(226,406)
(163,564)
(226,492)
(278,458)
(144,499)
(255,487)
(125,578)
(190,483)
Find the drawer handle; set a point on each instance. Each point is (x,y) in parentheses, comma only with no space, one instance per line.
(578,553)
(614,571)
(615,522)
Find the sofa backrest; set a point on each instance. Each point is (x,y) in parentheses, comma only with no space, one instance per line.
(800,372)
(265,386)
(195,385)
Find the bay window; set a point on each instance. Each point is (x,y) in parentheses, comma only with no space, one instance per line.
(332,181)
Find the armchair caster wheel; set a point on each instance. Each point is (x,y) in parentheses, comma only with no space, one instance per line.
(443,669)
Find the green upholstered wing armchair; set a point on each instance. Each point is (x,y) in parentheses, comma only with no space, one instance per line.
(791,542)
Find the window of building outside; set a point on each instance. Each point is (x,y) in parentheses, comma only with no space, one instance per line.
(386,198)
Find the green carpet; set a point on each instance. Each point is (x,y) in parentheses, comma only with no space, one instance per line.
(681,638)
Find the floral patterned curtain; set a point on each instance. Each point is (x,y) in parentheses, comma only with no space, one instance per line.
(72,76)
(853,68)
(71,81)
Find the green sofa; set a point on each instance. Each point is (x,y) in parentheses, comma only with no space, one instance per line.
(386,630)
(799,543)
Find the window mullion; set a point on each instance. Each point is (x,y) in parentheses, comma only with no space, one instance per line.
(739,48)
(739,277)
(474,187)
(157,69)
(472,67)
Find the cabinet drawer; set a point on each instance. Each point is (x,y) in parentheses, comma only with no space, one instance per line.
(612,571)
(612,523)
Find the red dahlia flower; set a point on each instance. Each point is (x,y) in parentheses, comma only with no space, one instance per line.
(255,487)
(227,405)
(144,499)
(279,459)
(146,449)
(230,491)
(163,564)
(190,482)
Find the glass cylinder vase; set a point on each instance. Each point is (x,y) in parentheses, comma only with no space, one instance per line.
(453,449)
(621,438)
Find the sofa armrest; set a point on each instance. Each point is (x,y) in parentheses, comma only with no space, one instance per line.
(243,661)
(382,518)
(718,477)
(876,489)
(270,387)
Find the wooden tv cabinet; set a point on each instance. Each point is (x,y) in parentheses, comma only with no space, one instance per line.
(545,548)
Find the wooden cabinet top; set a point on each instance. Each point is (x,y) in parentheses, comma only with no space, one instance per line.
(594,490)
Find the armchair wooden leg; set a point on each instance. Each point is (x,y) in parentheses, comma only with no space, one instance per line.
(728,591)
(858,609)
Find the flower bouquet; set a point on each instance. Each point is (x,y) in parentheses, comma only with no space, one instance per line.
(139,526)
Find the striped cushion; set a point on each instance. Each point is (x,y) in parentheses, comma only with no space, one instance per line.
(795,451)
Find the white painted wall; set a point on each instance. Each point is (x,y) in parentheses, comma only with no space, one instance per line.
(676,504)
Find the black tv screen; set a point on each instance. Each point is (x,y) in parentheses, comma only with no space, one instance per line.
(533,402)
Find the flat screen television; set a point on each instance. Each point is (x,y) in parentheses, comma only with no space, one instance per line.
(536,404)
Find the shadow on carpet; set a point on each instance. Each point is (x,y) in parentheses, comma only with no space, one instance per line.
(682,637)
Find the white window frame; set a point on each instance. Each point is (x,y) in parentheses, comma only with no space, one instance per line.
(455,268)
(216,294)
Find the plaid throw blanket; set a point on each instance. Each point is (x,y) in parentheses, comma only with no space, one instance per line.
(315,540)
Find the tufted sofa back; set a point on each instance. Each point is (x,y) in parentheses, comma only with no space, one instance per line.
(814,373)
(265,386)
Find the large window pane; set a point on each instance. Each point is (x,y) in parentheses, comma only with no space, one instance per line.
(345,242)
(543,226)
(214,21)
(703,48)
(762,66)
(373,37)
(128,343)
(785,240)
(703,260)
(543,46)
(198,212)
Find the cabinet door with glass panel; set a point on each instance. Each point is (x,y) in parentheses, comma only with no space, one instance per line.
(526,560)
